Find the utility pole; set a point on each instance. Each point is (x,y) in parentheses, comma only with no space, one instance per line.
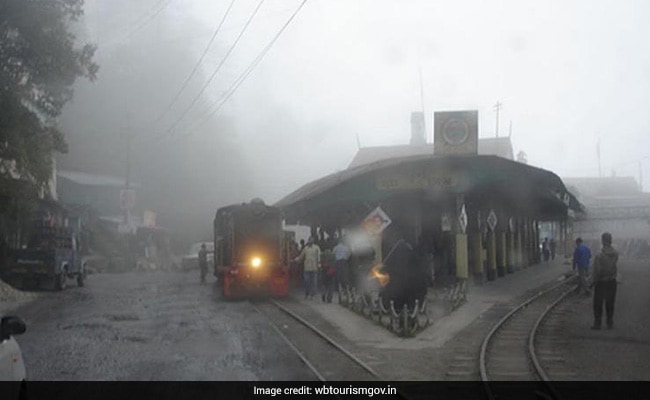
(497,108)
(424,116)
(127,179)
(640,177)
(600,174)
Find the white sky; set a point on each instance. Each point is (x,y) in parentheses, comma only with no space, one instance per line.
(567,73)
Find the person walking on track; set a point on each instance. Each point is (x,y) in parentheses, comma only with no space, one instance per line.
(604,280)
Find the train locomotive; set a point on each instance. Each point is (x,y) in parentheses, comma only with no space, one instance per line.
(250,251)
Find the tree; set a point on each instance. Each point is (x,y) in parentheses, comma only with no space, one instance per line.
(38,65)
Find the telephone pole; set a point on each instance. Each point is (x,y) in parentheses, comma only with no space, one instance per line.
(640,177)
(497,108)
(126,195)
(424,117)
(600,174)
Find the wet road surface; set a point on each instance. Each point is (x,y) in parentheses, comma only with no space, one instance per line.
(151,326)
(166,326)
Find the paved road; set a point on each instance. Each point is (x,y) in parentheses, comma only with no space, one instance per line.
(166,326)
(619,354)
(151,326)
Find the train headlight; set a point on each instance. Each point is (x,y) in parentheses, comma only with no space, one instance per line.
(256,262)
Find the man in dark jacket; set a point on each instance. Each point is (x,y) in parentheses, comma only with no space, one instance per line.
(203,262)
(604,280)
(581,258)
(407,277)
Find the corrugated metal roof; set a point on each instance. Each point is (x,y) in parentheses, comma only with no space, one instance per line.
(501,147)
(536,176)
(83,178)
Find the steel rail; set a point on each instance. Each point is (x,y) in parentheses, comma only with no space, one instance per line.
(292,346)
(533,333)
(486,341)
(327,339)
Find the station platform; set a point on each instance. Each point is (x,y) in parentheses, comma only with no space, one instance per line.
(444,324)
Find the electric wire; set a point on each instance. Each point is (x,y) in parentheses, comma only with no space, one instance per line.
(196,66)
(216,70)
(146,22)
(242,77)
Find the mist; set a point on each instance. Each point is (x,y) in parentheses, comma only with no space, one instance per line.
(568,75)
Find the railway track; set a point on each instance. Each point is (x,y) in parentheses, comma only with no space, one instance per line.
(508,352)
(326,358)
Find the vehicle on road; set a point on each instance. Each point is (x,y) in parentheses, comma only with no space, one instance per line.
(51,254)
(12,366)
(250,256)
(191,259)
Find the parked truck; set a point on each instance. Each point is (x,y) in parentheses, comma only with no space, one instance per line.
(50,254)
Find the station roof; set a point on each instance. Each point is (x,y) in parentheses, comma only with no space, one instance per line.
(501,147)
(522,185)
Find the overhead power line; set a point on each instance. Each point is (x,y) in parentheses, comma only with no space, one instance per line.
(147,21)
(244,75)
(196,66)
(216,70)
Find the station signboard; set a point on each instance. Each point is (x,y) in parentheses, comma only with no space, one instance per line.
(462,219)
(417,177)
(375,223)
(492,220)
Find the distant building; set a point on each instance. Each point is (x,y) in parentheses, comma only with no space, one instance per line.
(101,192)
(613,204)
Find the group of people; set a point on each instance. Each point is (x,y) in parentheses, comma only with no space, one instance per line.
(407,267)
(603,278)
(329,266)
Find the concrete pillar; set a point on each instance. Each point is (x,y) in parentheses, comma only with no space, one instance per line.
(533,243)
(462,259)
(491,256)
(477,256)
(538,257)
(529,240)
(520,247)
(501,253)
(462,262)
(510,253)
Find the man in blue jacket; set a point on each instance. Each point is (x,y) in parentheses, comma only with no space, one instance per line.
(581,257)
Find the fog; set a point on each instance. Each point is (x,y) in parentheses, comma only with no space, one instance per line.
(567,74)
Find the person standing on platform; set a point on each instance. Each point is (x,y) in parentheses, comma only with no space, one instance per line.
(581,258)
(604,280)
(328,275)
(341,259)
(546,253)
(552,245)
(310,255)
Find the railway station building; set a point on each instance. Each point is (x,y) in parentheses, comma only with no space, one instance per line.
(616,204)
(465,198)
